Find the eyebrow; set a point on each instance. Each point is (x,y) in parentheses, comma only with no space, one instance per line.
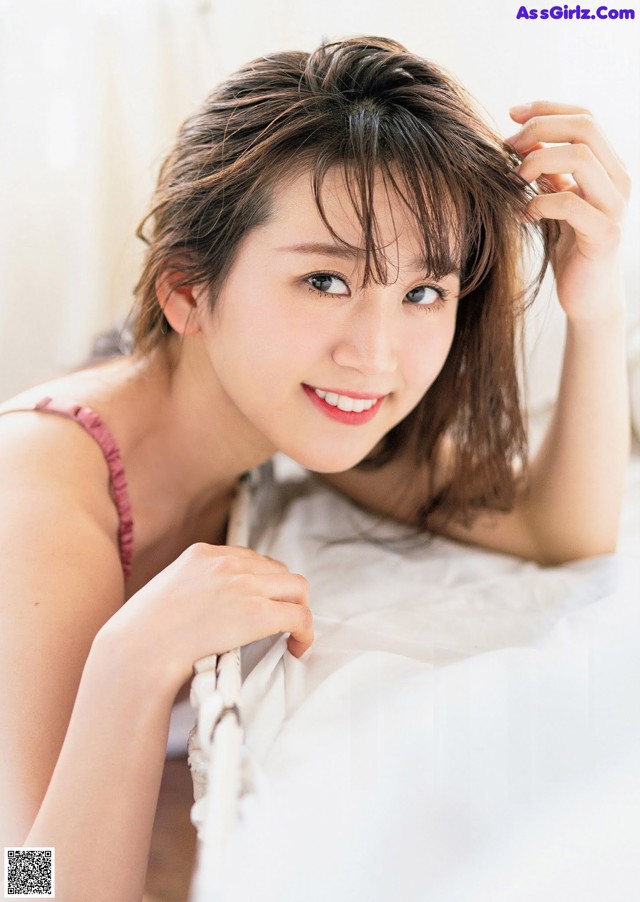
(328,249)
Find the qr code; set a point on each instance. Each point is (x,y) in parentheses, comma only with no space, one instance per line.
(29,873)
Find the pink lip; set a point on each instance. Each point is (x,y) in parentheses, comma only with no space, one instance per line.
(348,394)
(350,417)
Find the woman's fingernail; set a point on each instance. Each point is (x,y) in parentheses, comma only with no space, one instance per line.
(520,109)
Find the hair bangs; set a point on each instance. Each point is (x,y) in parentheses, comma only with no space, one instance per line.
(436,222)
(415,168)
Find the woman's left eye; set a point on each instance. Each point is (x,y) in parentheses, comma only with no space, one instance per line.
(425,296)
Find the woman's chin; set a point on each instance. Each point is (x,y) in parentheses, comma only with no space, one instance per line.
(328,462)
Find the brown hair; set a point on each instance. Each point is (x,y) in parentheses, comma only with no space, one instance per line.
(369,106)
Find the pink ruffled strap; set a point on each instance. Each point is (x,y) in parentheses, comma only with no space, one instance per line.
(97,430)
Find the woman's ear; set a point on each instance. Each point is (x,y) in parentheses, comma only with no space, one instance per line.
(180,304)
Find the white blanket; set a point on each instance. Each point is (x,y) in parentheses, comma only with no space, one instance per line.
(465,728)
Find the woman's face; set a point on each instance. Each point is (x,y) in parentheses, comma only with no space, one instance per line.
(292,317)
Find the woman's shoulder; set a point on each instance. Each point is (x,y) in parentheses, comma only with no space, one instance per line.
(45,455)
(47,460)
(58,524)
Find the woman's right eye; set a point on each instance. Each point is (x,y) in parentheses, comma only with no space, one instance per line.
(324,282)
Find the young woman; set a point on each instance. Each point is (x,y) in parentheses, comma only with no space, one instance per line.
(334,272)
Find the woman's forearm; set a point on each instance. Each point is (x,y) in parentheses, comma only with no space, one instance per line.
(577,476)
(99,808)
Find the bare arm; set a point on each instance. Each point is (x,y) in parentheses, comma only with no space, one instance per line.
(89,681)
(575,493)
(574,498)
(570,508)
(99,807)
(571,505)
(74,705)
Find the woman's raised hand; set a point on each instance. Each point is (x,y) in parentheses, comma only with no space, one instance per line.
(592,187)
(211,599)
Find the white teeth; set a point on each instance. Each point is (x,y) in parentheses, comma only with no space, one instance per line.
(345,403)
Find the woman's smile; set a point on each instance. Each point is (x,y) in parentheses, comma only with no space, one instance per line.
(344,408)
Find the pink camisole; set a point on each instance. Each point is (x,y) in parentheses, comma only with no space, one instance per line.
(90,421)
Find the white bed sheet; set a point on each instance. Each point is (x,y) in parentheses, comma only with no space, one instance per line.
(466,726)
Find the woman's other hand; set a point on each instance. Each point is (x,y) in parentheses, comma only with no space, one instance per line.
(211,599)
(565,145)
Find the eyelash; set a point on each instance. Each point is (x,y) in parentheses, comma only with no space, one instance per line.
(429,308)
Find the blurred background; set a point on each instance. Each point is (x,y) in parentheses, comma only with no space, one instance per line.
(93,91)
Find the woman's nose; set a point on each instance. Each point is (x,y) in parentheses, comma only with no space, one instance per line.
(369,339)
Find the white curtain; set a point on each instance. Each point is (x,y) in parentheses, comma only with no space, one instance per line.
(92,92)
